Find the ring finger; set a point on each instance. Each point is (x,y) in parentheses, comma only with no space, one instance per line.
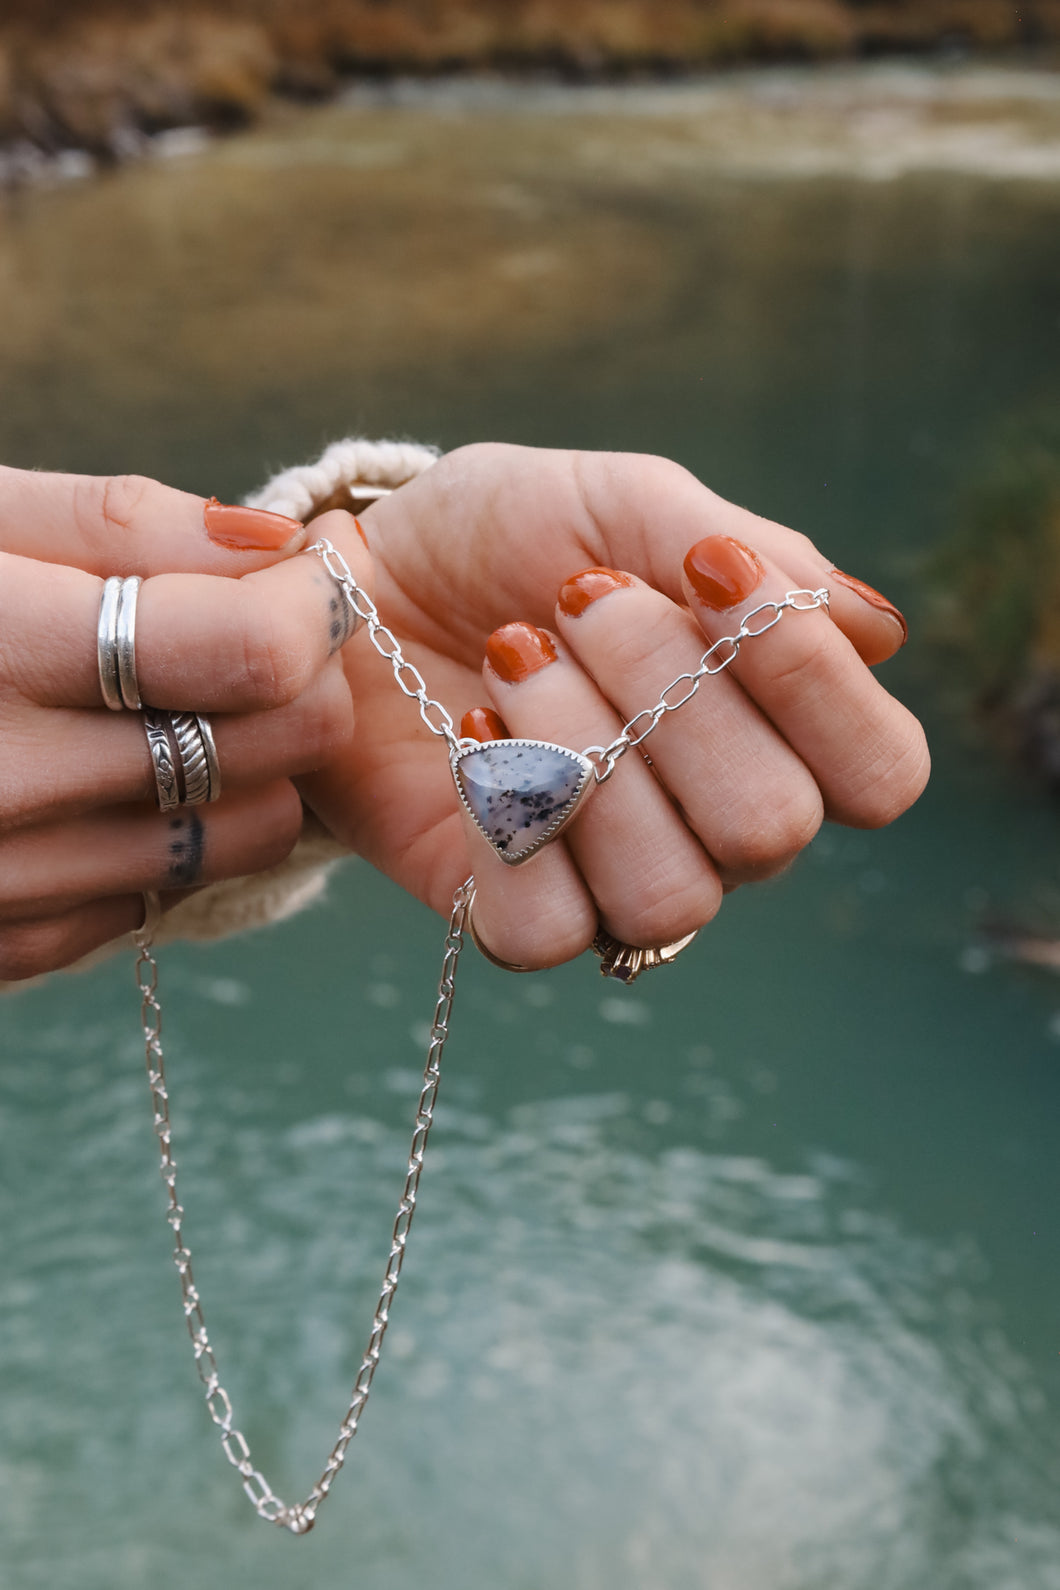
(97,759)
(54,868)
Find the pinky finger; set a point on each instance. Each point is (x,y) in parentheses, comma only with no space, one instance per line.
(32,947)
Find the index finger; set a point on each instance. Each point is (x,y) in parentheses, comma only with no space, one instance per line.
(128,524)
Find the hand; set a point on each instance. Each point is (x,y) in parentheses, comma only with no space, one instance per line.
(245,632)
(469,562)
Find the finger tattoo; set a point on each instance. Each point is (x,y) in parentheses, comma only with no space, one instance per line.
(187,847)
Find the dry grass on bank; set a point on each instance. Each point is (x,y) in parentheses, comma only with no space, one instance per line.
(78,72)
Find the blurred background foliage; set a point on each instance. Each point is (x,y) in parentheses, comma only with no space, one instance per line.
(83,73)
(998,579)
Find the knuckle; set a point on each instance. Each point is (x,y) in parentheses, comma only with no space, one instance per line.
(671,915)
(326,725)
(803,668)
(103,504)
(890,779)
(801,545)
(541,942)
(275,663)
(122,496)
(769,831)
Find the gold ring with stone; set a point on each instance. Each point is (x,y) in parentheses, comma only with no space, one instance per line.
(626,961)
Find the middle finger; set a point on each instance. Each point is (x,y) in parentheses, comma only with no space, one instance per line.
(100,759)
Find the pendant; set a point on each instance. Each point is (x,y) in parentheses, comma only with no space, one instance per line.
(521,793)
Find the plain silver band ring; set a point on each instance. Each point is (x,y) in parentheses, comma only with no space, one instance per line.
(125,642)
(495,960)
(157,731)
(107,643)
(116,643)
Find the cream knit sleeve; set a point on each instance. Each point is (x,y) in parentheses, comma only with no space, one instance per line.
(349,474)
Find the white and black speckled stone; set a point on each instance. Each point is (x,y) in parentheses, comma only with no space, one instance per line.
(517,790)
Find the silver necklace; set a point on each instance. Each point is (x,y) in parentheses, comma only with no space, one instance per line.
(521,794)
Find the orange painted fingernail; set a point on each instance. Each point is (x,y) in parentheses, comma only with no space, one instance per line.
(359,527)
(482,723)
(723,572)
(576,594)
(873,597)
(515,651)
(250,529)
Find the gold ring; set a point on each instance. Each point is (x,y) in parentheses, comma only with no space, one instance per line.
(505,966)
(627,961)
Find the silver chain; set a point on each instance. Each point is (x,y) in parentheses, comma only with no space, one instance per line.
(714,660)
(386,644)
(300,1518)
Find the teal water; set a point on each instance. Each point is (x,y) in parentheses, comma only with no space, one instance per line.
(747,1278)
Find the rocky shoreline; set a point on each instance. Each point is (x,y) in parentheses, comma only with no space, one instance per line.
(100,76)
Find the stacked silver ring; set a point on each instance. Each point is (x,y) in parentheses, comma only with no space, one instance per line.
(184,758)
(116,643)
(181,744)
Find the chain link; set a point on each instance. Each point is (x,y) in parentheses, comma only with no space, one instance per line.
(300,1518)
(386,644)
(714,660)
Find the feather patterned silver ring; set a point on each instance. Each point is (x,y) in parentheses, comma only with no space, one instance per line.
(183,758)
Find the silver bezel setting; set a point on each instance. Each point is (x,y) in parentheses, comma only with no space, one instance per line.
(588,779)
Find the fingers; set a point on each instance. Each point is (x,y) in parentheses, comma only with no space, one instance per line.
(54,868)
(866,752)
(53,908)
(614,510)
(127,524)
(533,916)
(650,879)
(795,728)
(88,760)
(203,642)
(40,945)
(742,789)
(651,510)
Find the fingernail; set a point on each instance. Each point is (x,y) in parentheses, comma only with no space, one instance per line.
(515,651)
(723,572)
(580,590)
(251,529)
(359,527)
(482,723)
(873,597)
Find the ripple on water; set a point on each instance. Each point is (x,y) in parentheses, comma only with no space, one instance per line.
(627,1367)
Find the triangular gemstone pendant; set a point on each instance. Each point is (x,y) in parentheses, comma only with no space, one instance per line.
(521,792)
